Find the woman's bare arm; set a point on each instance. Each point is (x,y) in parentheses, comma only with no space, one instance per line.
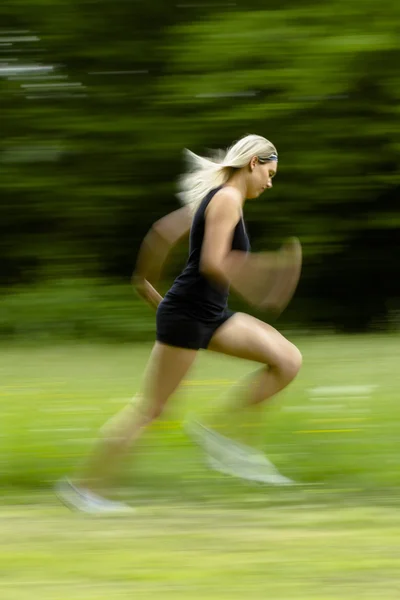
(266,280)
(218,260)
(154,250)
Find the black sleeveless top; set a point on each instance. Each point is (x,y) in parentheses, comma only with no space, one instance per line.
(192,293)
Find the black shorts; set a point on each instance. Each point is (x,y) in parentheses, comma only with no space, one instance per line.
(176,328)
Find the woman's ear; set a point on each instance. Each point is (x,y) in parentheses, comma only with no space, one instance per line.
(253,162)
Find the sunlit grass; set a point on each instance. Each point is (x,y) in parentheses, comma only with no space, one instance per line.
(337,425)
(204,552)
(197,534)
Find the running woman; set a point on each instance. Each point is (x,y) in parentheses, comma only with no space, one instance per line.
(194,315)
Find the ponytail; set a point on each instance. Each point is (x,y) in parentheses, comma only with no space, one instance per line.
(205,174)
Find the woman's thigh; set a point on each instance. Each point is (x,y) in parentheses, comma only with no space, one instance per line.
(166,368)
(246,337)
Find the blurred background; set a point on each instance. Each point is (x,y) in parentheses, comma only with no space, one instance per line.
(97,101)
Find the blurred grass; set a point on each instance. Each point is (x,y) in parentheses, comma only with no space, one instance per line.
(197,534)
(54,398)
(314,552)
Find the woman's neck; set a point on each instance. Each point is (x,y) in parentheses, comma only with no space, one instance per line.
(238,182)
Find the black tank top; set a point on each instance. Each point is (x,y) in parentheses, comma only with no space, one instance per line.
(192,293)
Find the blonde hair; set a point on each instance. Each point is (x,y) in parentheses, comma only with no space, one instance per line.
(206,174)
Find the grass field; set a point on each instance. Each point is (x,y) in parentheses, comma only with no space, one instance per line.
(196,534)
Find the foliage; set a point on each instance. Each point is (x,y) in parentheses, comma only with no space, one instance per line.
(74,309)
(87,167)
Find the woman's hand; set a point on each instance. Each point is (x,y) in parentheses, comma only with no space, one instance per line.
(268,280)
(154,250)
(285,277)
(146,291)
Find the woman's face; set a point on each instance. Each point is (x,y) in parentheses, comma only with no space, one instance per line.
(260,176)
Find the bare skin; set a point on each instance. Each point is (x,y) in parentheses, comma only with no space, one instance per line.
(265,280)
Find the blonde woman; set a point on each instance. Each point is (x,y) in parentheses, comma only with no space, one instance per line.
(194,315)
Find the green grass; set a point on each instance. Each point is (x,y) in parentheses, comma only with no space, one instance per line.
(197,534)
(179,552)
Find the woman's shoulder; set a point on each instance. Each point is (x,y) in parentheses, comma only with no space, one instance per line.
(228,197)
(226,201)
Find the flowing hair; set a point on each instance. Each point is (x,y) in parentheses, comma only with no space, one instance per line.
(206,174)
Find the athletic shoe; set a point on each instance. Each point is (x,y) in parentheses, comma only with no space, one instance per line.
(233,458)
(83,500)
(248,472)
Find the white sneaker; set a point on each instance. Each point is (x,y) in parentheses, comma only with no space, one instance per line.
(210,440)
(232,458)
(250,472)
(85,501)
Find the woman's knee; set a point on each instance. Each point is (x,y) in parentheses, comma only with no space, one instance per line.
(155,410)
(289,362)
(150,408)
(295,361)
(138,414)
